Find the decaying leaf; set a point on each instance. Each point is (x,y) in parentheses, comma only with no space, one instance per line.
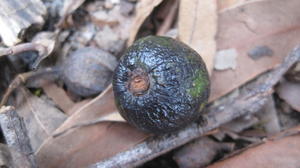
(278,152)
(143,10)
(290,92)
(224,4)
(241,29)
(59,96)
(41,119)
(197,27)
(99,107)
(169,19)
(86,145)
(89,135)
(200,153)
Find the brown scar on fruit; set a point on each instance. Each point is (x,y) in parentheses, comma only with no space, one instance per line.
(138,82)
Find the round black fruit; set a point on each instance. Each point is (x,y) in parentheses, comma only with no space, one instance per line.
(160,85)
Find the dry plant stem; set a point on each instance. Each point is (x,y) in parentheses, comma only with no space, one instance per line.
(42,50)
(15,133)
(22,48)
(21,79)
(251,99)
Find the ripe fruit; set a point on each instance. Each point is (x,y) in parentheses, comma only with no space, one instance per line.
(160,85)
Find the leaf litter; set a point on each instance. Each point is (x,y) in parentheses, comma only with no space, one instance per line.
(238,39)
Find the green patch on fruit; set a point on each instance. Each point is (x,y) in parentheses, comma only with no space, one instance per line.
(199,84)
(162,41)
(202,105)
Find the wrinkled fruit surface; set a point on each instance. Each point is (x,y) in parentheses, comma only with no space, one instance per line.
(160,85)
(88,71)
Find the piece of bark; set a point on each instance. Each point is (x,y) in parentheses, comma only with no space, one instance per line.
(15,134)
(200,153)
(11,158)
(251,99)
(17,16)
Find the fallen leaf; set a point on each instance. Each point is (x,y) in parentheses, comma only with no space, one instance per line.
(47,42)
(41,119)
(59,96)
(225,4)
(78,105)
(279,152)
(256,23)
(290,92)
(100,106)
(169,19)
(197,27)
(77,141)
(87,145)
(200,152)
(143,10)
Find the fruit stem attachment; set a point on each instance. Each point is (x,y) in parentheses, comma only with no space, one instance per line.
(138,82)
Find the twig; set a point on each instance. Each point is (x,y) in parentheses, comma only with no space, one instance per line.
(41,49)
(249,101)
(21,79)
(21,48)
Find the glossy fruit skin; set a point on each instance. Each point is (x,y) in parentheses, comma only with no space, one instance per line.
(178,90)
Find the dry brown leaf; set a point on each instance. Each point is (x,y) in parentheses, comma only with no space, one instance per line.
(290,92)
(197,27)
(143,10)
(275,153)
(246,28)
(224,4)
(78,105)
(169,19)
(200,152)
(41,119)
(59,96)
(100,106)
(87,145)
(87,137)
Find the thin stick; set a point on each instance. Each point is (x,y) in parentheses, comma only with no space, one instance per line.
(41,49)
(22,48)
(22,78)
